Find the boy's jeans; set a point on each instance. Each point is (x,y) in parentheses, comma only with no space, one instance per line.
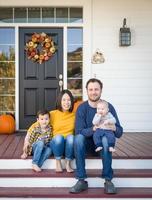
(41,152)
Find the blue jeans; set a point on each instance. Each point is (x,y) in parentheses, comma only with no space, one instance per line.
(81,147)
(63,147)
(41,152)
(99,133)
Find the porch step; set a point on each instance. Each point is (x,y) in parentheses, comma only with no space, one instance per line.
(55,193)
(128,173)
(49,178)
(91,163)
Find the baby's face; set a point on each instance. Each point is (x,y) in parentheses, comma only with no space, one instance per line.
(43,120)
(102,109)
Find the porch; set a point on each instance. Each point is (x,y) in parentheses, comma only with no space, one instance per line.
(132,165)
(129,146)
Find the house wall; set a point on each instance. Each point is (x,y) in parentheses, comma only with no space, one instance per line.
(127,71)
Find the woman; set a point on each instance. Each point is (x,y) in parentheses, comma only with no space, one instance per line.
(62,121)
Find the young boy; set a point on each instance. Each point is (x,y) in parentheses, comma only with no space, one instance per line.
(36,140)
(102,119)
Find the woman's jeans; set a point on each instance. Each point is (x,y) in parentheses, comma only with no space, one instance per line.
(63,147)
(41,152)
(81,147)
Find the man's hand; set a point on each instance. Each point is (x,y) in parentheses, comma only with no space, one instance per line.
(108,126)
(111,127)
(95,128)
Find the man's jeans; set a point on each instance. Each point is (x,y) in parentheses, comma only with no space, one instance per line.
(81,147)
(63,147)
(41,152)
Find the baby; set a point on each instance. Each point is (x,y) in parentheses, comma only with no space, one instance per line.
(102,120)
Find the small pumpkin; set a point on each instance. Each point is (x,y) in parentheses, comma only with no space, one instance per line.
(7,124)
(76,105)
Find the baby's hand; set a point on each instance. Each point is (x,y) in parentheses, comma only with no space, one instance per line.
(98,114)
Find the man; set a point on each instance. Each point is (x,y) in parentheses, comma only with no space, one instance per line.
(83,144)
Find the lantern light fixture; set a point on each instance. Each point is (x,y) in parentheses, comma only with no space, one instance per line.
(125,35)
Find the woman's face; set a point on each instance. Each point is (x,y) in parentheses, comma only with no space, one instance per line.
(65,102)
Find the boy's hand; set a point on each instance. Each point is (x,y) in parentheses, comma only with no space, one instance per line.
(25,147)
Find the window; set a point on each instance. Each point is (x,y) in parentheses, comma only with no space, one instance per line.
(7,70)
(74,61)
(38,15)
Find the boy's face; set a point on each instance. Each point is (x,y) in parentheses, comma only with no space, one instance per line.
(102,109)
(43,120)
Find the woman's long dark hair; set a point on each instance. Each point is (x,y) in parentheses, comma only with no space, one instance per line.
(59,99)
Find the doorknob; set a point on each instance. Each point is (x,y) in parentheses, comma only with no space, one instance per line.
(60,76)
(60,82)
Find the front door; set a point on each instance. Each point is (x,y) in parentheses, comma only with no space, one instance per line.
(38,83)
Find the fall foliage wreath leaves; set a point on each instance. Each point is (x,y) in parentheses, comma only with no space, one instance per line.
(40,48)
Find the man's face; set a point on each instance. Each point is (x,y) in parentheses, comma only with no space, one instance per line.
(94,91)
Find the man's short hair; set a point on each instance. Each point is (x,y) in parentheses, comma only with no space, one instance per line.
(93,80)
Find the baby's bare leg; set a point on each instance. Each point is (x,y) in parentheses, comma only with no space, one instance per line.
(98,149)
(111,149)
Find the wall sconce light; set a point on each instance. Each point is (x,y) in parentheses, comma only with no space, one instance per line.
(125,35)
(98,57)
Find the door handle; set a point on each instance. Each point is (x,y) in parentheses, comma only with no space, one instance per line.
(61,82)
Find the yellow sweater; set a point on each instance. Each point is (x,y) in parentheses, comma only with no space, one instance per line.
(62,123)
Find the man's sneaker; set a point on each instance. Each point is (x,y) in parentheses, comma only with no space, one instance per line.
(109,187)
(80,186)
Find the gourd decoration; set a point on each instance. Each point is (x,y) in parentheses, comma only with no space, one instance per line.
(7,124)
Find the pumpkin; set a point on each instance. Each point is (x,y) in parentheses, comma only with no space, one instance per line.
(76,105)
(7,124)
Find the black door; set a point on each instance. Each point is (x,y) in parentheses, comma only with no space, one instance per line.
(38,83)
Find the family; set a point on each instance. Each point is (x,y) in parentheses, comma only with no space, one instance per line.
(93,129)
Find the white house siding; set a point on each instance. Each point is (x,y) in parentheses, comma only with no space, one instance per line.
(127,71)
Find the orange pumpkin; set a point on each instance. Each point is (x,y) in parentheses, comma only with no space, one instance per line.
(76,105)
(7,124)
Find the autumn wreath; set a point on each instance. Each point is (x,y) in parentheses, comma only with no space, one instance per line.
(40,47)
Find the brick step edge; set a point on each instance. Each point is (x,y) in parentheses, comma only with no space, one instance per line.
(142,173)
(64,193)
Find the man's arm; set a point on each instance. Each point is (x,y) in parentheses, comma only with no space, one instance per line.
(118,128)
(81,124)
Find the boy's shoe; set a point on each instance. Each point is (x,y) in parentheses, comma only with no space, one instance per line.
(109,187)
(80,186)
